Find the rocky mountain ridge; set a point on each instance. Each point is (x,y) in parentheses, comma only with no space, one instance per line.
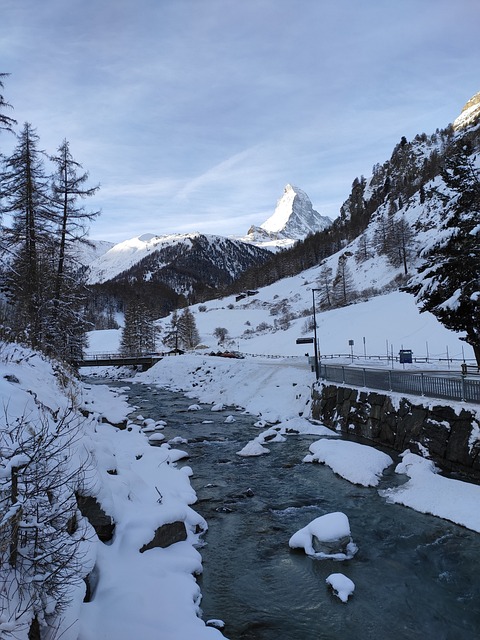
(294,218)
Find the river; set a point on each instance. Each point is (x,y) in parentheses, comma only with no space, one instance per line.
(416,576)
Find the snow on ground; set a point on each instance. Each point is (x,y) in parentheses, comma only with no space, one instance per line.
(428,492)
(382,325)
(134,594)
(155,592)
(357,463)
(275,390)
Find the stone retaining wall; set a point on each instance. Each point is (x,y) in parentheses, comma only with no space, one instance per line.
(450,436)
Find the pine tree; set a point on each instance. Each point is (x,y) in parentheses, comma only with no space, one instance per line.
(25,191)
(138,335)
(448,280)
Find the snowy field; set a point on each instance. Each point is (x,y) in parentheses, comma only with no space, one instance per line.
(382,325)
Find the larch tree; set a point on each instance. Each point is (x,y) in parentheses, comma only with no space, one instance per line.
(187,330)
(6,122)
(401,243)
(325,286)
(343,283)
(71,226)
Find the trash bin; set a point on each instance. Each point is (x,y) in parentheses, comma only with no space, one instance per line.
(405,356)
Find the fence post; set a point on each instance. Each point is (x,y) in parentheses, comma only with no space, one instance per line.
(390,380)
(422,384)
(364,376)
(343,375)
(463,388)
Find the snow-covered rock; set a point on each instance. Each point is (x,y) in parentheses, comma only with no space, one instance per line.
(253,448)
(326,537)
(342,586)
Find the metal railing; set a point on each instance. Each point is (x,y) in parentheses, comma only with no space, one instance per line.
(431,385)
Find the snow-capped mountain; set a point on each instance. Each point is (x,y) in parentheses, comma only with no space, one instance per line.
(87,252)
(294,218)
(186,263)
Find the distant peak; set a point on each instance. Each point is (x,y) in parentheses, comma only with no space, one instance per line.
(294,216)
(146,237)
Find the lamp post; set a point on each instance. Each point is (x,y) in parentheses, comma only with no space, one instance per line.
(317,375)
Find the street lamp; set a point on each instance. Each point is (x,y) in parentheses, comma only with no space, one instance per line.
(317,375)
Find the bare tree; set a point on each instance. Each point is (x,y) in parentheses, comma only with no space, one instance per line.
(6,122)
(42,529)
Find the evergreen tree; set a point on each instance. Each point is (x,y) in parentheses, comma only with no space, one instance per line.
(138,335)
(171,338)
(25,193)
(448,280)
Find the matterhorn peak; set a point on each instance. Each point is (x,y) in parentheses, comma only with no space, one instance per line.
(294,216)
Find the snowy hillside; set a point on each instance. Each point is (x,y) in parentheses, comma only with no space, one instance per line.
(257,326)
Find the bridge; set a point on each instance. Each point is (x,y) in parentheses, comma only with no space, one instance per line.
(145,360)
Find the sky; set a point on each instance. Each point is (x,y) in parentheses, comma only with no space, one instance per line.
(193,115)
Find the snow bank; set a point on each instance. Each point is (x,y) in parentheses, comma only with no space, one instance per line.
(144,595)
(357,463)
(155,592)
(275,389)
(429,492)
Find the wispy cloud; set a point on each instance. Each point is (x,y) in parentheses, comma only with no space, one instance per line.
(197,114)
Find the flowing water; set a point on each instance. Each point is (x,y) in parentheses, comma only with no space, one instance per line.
(416,576)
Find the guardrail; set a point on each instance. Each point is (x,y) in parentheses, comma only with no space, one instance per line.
(453,387)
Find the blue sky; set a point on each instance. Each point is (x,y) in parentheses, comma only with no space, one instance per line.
(194,114)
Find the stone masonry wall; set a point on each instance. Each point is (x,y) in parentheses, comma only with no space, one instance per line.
(452,438)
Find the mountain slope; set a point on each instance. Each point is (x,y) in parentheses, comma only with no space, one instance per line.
(189,264)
